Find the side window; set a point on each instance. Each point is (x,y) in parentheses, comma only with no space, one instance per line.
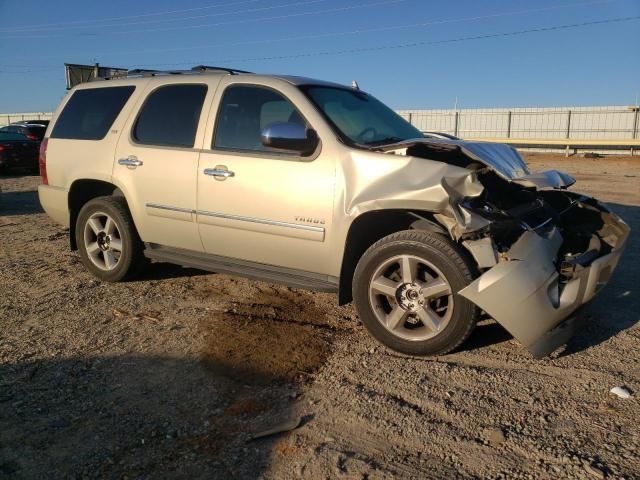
(170,116)
(89,113)
(244,111)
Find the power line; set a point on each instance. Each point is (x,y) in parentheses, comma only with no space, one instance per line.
(194,17)
(350,32)
(402,45)
(142,15)
(236,22)
(415,44)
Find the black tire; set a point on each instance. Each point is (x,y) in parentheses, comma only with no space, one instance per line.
(449,259)
(131,260)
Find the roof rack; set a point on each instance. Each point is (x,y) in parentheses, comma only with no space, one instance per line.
(143,72)
(204,68)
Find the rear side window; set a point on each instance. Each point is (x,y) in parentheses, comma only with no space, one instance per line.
(170,116)
(89,114)
(6,136)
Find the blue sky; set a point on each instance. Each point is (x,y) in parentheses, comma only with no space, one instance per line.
(589,65)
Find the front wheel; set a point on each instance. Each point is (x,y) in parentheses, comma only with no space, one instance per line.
(107,239)
(405,290)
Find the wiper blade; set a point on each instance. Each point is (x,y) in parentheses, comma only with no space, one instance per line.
(385,141)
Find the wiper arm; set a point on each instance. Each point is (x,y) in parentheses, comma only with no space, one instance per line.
(385,141)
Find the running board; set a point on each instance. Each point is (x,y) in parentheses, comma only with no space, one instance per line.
(243,268)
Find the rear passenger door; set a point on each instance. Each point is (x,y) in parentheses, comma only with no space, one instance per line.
(157,160)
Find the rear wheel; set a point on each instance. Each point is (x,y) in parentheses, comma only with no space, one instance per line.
(405,290)
(107,239)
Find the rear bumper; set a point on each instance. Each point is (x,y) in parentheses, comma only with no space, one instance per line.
(527,295)
(54,201)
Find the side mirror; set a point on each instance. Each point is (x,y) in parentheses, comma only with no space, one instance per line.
(290,136)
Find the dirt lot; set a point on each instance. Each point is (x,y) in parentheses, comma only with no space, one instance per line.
(171,375)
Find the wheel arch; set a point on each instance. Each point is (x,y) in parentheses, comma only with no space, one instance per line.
(369,227)
(80,192)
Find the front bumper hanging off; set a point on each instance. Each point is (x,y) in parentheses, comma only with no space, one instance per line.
(532,295)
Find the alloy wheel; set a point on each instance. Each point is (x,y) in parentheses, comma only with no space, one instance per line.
(103,241)
(411,298)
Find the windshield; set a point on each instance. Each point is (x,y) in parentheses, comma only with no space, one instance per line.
(360,118)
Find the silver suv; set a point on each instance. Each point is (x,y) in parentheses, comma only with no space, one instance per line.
(321,186)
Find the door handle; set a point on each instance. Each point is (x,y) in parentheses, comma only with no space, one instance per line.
(130,162)
(219,172)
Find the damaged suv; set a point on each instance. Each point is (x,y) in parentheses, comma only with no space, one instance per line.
(320,186)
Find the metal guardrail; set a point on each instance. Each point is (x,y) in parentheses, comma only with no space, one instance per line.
(569,146)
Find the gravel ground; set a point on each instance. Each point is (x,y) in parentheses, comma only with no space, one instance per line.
(173,374)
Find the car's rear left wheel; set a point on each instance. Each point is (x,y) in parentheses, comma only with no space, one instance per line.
(107,239)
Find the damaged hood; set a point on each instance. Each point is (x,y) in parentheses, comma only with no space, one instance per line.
(503,159)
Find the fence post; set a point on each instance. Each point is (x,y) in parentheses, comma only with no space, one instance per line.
(636,118)
(411,118)
(455,123)
(509,124)
(569,124)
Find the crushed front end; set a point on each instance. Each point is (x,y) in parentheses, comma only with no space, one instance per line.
(554,250)
(542,250)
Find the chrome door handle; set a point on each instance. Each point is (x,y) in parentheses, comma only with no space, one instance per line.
(219,172)
(130,162)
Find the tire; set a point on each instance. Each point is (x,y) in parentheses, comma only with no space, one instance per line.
(111,251)
(424,316)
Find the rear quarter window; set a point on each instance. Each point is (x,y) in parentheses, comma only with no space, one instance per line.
(89,114)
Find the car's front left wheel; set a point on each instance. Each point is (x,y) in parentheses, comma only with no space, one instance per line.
(107,239)
(405,289)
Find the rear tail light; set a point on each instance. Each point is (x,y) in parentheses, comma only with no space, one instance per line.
(42,161)
(2,147)
(31,136)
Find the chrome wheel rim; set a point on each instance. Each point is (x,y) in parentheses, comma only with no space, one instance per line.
(411,298)
(102,241)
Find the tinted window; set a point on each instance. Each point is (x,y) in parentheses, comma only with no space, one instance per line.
(244,111)
(170,116)
(9,136)
(36,131)
(89,114)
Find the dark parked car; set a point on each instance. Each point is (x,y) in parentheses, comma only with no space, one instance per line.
(30,130)
(17,152)
(44,123)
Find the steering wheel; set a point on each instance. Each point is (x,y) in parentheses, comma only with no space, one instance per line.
(369,130)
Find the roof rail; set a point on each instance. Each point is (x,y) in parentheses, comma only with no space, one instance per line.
(151,72)
(204,68)
(144,72)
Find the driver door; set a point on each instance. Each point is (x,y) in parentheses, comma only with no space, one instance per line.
(255,203)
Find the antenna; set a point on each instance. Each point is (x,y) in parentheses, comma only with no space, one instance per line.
(355,85)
